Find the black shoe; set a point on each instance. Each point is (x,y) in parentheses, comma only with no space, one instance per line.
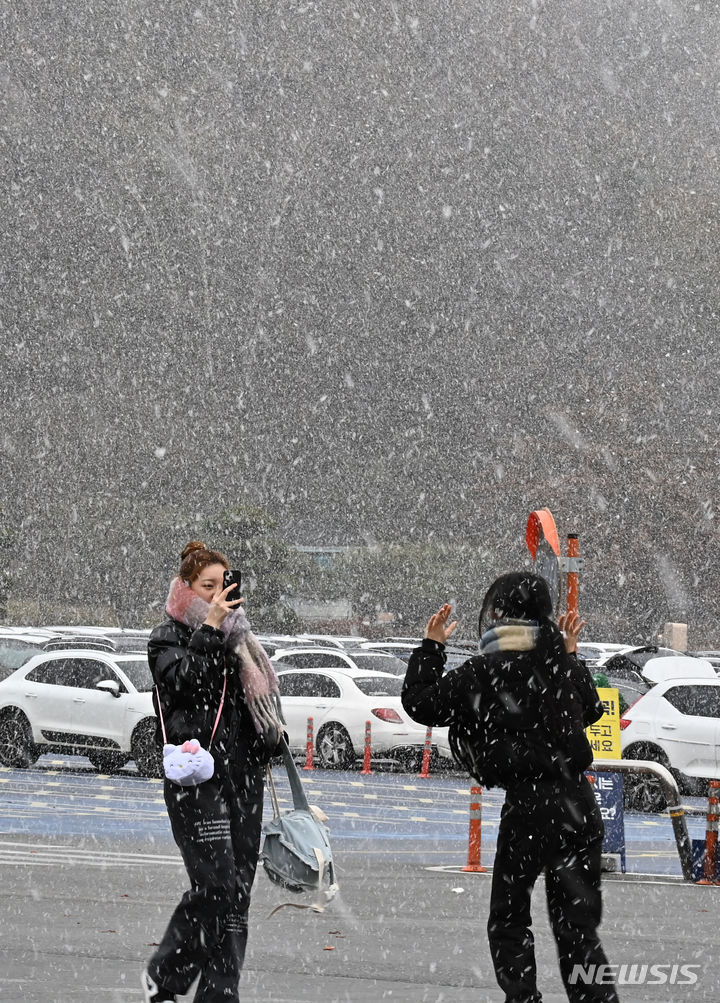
(155,993)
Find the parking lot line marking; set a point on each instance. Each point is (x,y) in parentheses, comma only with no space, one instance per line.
(77,850)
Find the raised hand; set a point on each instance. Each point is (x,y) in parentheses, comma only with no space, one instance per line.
(438,628)
(571,625)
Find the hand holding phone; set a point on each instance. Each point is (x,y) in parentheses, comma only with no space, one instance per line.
(232,578)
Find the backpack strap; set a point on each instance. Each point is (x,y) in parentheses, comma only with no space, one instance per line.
(273,792)
(300,800)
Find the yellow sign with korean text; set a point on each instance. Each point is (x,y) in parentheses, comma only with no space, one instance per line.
(604,735)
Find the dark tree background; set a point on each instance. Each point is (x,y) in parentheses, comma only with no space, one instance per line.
(394,273)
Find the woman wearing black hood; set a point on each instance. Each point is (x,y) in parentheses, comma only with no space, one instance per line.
(517,714)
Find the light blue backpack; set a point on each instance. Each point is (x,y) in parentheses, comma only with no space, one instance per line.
(296,852)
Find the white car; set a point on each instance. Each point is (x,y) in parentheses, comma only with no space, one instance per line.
(453,656)
(340,701)
(676,723)
(596,652)
(400,649)
(109,638)
(334,658)
(330,640)
(18,644)
(80,702)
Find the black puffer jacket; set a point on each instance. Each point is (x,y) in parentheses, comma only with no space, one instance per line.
(513,715)
(187,666)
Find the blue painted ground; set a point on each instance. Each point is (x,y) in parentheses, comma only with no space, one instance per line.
(413,819)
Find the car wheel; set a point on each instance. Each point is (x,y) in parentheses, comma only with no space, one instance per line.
(409,760)
(107,762)
(644,795)
(642,791)
(692,786)
(17,749)
(334,748)
(145,750)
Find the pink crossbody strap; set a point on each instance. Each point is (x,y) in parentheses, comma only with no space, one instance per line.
(217,718)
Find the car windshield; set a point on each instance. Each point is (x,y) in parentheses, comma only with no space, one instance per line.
(379,686)
(138,672)
(452,661)
(644,655)
(403,653)
(589,652)
(14,653)
(380,663)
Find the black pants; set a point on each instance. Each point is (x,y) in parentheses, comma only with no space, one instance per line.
(217,828)
(556,826)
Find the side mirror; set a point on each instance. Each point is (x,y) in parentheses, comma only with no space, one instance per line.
(109,686)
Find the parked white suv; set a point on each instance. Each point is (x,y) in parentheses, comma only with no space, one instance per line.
(676,723)
(80,702)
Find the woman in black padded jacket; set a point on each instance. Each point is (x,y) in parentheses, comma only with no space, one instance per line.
(202,655)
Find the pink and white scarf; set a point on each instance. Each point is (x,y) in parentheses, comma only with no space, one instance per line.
(258,676)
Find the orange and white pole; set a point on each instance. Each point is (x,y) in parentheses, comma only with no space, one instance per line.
(573,577)
(427,752)
(368,749)
(475,834)
(711,836)
(309,747)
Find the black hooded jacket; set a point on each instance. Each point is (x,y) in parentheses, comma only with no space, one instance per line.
(513,716)
(187,667)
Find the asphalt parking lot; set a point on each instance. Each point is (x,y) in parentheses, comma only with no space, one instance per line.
(80,916)
(89,875)
(418,817)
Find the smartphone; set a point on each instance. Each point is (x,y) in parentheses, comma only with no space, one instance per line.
(232,578)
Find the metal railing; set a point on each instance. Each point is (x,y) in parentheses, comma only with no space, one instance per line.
(672,796)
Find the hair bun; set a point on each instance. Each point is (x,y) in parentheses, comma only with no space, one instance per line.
(190,547)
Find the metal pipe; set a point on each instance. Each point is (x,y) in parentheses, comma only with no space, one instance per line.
(672,795)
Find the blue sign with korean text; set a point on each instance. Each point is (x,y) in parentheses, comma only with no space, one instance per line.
(608,791)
